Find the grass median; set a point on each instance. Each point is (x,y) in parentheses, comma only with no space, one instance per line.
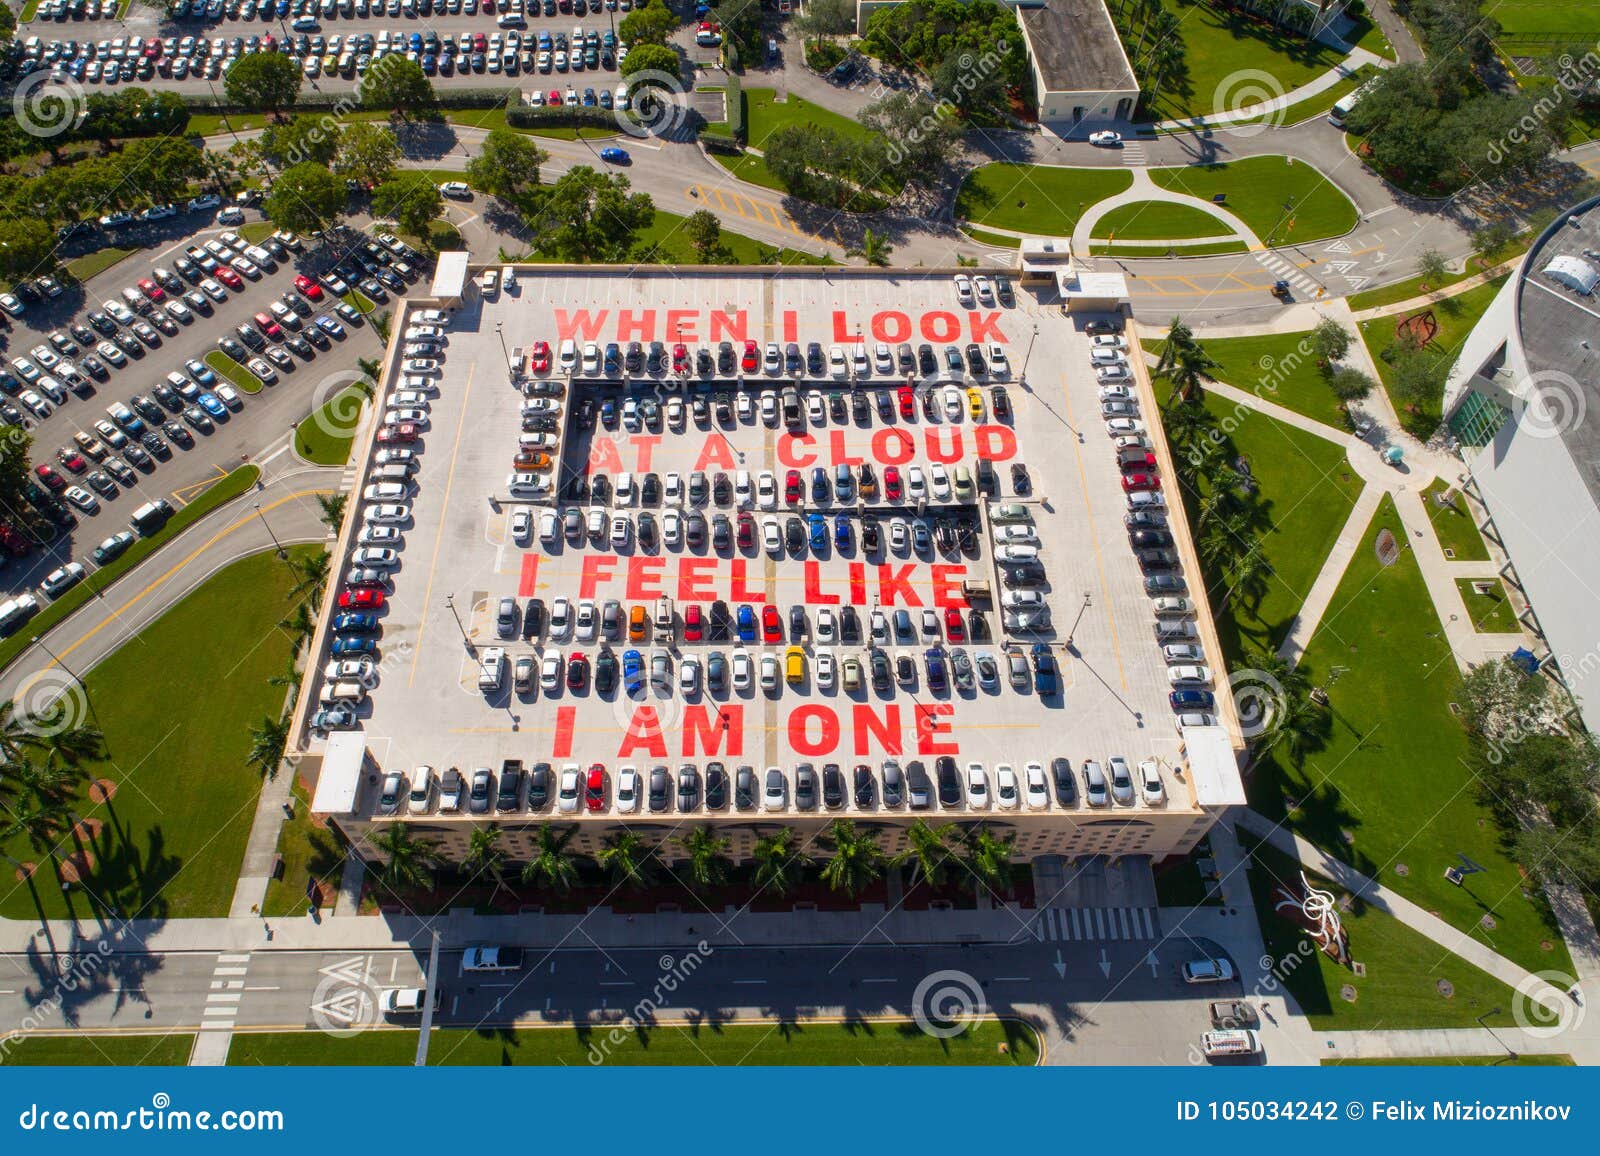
(1040,200)
(95,1050)
(226,489)
(1281,200)
(325,436)
(230,369)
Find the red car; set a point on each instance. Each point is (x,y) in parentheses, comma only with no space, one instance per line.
(594,788)
(150,289)
(1147,463)
(311,290)
(267,326)
(680,358)
(540,357)
(554,98)
(771,625)
(577,671)
(908,403)
(73,460)
(693,626)
(49,477)
(403,434)
(792,487)
(891,483)
(747,530)
(361,600)
(229,277)
(954,629)
(1132,482)
(751,358)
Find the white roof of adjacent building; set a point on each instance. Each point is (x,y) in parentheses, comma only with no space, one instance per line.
(339,782)
(1083,283)
(1573,272)
(1213,767)
(450,275)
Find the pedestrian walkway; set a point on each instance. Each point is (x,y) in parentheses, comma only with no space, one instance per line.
(1143,191)
(1267,110)
(1320,596)
(221,1009)
(1095,923)
(1441,1043)
(1427,300)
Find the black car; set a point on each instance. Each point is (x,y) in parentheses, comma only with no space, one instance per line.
(716,786)
(832,786)
(797,623)
(177,433)
(660,790)
(153,442)
(744,788)
(633,362)
(646,529)
(725,357)
(885,405)
(539,786)
(865,785)
(871,536)
(509,793)
(917,784)
(814,362)
(849,624)
(795,535)
(533,618)
(805,787)
(881,680)
(688,787)
(926,362)
(1021,484)
(860,412)
(978,626)
(949,782)
(1066,786)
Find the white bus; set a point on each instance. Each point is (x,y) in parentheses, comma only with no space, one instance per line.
(1346,105)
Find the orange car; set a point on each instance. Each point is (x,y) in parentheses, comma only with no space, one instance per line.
(530,460)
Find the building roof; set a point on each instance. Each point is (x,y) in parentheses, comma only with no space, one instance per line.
(339,781)
(1076,47)
(1213,767)
(450,275)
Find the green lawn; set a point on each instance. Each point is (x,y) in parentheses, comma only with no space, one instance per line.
(1158,221)
(1219,44)
(1269,193)
(764,115)
(359,301)
(1453,525)
(1274,368)
(308,850)
(1490,613)
(1412,286)
(490,118)
(215,124)
(1214,248)
(97,1050)
(324,437)
(1506,1061)
(1404,967)
(666,231)
(751,168)
(1308,489)
(226,488)
(998,240)
(1036,199)
(233,371)
(257,231)
(1318,105)
(1391,787)
(1565,22)
(174,835)
(875,1044)
(1456,317)
(90,264)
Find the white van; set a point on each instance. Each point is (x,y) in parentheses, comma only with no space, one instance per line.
(508,279)
(1230,1042)
(665,622)
(348,691)
(488,283)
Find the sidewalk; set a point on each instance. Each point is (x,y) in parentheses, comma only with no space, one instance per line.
(1347,67)
(1320,596)
(1144,190)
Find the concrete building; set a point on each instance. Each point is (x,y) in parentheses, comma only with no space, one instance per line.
(1523,403)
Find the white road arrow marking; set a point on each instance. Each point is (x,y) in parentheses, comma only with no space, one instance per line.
(1105,964)
(1152,961)
(1060,965)
(1339,247)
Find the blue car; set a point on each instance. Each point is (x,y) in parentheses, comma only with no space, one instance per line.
(1046,679)
(344,647)
(330,326)
(632,672)
(1192,700)
(414,42)
(819,531)
(841,532)
(200,371)
(613,357)
(430,65)
(614,155)
(936,676)
(212,404)
(747,624)
(350,622)
(544,41)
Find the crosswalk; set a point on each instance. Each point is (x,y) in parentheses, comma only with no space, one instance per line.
(227,989)
(1285,270)
(1133,153)
(1064,924)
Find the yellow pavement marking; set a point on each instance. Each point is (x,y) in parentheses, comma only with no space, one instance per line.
(197,486)
(433,562)
(179,565)
(740,205)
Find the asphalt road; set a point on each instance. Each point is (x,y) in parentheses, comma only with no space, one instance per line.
(1098,1003)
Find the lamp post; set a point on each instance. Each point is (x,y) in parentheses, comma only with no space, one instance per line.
(276,545)
(499,331)
(1029,353)
(450,601)
(72,674)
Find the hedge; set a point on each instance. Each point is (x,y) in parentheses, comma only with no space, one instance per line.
(733,94)
(571,116)
(314,102)
(721,143)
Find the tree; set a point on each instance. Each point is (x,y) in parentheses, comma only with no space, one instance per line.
(311,576)
(628,860)
(987,859)
(1183,361)
(485,856)
(263,81)
(367,152)
(1418,380)
(412,199)
(644,26)
(1330,341)
(27,248)
(707,864)
(306,198)
(1350,384)
(268,740)
(704,231)
(506,165)
(8,25)
(929,851)
(857,860)
(1248,575)
(590,216)
(1491,237)
(874,248)
(652,58)
(822,18)
(779,864)
(400,85)
(332,506)
(922,137)
(158,170)
(299,139)
(552,865)
(1431,267)
(817,163)
(408,861)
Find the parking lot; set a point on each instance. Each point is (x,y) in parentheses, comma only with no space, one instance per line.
(889,567)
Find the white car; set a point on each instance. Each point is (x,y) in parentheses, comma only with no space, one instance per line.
(409,398)
(772,536)
(963,289)
(939,478)
(838,366)
(1036,787)
(1114,373)
(362,670)
(1187,673)
(375,558)
(421,365)
(743,670)
(883,358)
(627,789)
(560,618)
(1101,357)
(772,358)
(591,357)
(457,190)
(827,670)
(1109,341)
(984,290)
(567,794)
(1017,552)
(374,535)
(550,672)
(999,366)
(1124,426)
(977,787)
(1105,138)
(916,484)
(1150,786)
(388,514)
(1006,795)
(1121,780)
(766,490)
(1180,652)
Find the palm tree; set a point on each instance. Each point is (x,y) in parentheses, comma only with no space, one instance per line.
(50,781)
(1251,572)
(332,509)
(987,858)
(1299,724)
(289,677)
(20,733)
(1183,362)
(39,821)
(311,576)
(268,740)
(780,865)
(409,860)
(72,746)
(552,865)
(485,856)
(301,624)
(928,850)
(857,860)
(708,864)
(874,248)
(1185,423)
(629,861)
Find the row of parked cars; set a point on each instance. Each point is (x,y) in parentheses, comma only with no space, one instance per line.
(595,789)
(270,10)
(855,361)
(352,669)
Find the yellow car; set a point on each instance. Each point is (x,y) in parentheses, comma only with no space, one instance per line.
(974,401)
(794,666)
